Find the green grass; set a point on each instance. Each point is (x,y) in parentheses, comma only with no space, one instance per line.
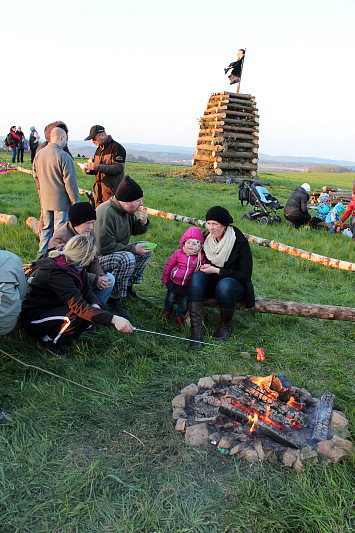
(66,464)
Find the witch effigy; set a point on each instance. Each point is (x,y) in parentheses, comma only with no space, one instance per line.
(237,68)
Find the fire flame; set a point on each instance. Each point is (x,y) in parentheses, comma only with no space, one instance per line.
(253,419)
(293,403)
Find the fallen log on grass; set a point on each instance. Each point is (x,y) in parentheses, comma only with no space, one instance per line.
(7,219)
(278,246)
(288,308)
(33,223)
(21,169)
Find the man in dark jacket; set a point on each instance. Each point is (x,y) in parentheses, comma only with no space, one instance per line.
(296,210)
(34,141)
(108,164)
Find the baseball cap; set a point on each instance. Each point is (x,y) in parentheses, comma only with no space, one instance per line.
(94,130)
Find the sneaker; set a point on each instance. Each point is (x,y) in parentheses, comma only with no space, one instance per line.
(91,329)
(50,348)
(119,310)
(134,294)
(180,321)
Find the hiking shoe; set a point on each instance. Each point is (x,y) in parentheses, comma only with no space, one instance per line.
(91,330)
(119,310)
(165,314)
(3,417)
(50,348)
(180,321)
(134,294)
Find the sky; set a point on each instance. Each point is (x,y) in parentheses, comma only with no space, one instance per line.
(145,70)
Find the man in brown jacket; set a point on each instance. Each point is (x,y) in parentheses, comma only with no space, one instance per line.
(108,164)
(81,219)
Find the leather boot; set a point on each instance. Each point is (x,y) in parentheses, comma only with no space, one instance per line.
(196,310)
(225,328)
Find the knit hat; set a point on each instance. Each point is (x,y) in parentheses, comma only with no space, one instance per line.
(219,214)
(324,197)
(128,190)
(80,213)
(32,128)
(339,207)
(306,187)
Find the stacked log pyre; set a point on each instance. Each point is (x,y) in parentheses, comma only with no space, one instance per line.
(228,137)
(335,195)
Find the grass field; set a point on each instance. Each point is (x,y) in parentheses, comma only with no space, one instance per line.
(68,463)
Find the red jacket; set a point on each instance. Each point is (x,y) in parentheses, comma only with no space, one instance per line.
(349,209)
(15,138)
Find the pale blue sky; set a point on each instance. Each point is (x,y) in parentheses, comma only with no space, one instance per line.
(145,70)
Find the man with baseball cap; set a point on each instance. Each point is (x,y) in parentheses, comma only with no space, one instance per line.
(116,222)
(108,164)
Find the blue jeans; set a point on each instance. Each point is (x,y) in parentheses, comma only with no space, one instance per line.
(104,294)
(14,154)
(227,291)
(171,298)
(52,220)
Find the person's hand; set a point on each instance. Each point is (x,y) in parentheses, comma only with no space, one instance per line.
(103,283)
(143,217)
(84,169)
(93,166)
(121,324)
(139,248)
(209,269)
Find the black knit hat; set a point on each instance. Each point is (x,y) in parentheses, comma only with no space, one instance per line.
(80,213)
(128,190)
(219,214)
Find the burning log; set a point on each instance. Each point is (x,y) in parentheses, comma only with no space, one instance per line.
(33,223)
(7,219)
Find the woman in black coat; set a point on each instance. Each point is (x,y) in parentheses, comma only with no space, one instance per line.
(60,303)
(227,277)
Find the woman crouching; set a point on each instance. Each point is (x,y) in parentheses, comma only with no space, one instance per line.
(227,277)
(60,304)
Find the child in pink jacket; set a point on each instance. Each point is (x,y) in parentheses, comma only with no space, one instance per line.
(178,272)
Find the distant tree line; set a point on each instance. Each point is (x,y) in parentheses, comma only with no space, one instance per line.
(332,170)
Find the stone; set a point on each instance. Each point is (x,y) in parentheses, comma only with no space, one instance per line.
(289,457)
(178,412)
(329,450)
(180,424)
(342,443)
(308,455)
(196,435)
(237,379)
(217,378)
(271,457)
(338,420)
(258,447)
(342,432)
(305,394)
(206,383)
(245,354)
(226,377)
(181,400)
(215,437)
(298,465)
(227,442)
(190,390)
(250,455)
(238,448)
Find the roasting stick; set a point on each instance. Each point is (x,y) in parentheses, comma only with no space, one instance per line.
(182,338)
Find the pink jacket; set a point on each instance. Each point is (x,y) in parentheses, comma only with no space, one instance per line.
(181,266)
(349,209)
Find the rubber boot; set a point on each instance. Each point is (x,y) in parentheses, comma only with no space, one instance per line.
(196,310)
(225,328)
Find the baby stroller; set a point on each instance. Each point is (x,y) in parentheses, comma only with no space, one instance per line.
(264,205)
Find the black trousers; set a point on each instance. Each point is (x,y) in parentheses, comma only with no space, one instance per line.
(20,155)
(33,152)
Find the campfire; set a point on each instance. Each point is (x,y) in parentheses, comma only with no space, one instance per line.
(260,417)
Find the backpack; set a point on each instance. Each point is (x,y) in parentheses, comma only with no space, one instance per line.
(8,139)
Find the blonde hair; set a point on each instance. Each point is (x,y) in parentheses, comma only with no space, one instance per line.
(77,251)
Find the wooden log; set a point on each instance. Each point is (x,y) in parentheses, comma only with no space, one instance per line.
(237,109)
(209,147)
(228,130)
(213,116)
(220,159)
(208,138)
(244,136)
(297,252)
(242,114)
(249,146)
(230,153)
(21,169)
(289,308)
(231,165)
(7,219)
(173,216)
(219,172)
(213,102)
(203,157)
(33,223)
(242,96)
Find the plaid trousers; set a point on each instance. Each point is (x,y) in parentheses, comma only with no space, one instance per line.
(127,268)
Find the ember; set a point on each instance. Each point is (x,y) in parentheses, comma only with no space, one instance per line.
(257,416)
